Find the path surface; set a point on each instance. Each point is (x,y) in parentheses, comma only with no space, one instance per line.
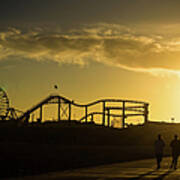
(143,169)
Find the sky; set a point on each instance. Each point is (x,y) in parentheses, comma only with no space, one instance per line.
(92,49)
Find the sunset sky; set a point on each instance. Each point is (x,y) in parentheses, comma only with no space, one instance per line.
(92,49)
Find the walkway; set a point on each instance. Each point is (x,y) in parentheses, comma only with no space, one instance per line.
(143,169)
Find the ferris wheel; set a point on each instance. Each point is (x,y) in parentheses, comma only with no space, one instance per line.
(4,104)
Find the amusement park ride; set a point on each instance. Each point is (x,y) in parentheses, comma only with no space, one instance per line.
(109,108)
(7,112)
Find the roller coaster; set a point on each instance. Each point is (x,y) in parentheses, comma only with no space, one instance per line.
(108,108)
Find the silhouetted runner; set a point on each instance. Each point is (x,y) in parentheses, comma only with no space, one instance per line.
(159,147)
(175,147)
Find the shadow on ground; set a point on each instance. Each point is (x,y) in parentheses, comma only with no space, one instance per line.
(151,175)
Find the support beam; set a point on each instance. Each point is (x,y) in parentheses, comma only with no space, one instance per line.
(59,109)
(92,118)
(104,113)
(69,112)
(123,114)
(32,118)
(40,114)
(86,113)
(108,120)
(146,112)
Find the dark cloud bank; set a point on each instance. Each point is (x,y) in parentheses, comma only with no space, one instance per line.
(110,44)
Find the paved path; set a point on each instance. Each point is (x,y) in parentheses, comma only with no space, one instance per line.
(143,169)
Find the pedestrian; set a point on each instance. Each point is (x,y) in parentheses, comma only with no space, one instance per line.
(175,148)
(159,148)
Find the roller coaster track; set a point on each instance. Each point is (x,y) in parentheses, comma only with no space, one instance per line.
(139,107)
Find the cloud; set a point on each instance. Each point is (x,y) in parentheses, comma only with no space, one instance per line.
(111,44)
